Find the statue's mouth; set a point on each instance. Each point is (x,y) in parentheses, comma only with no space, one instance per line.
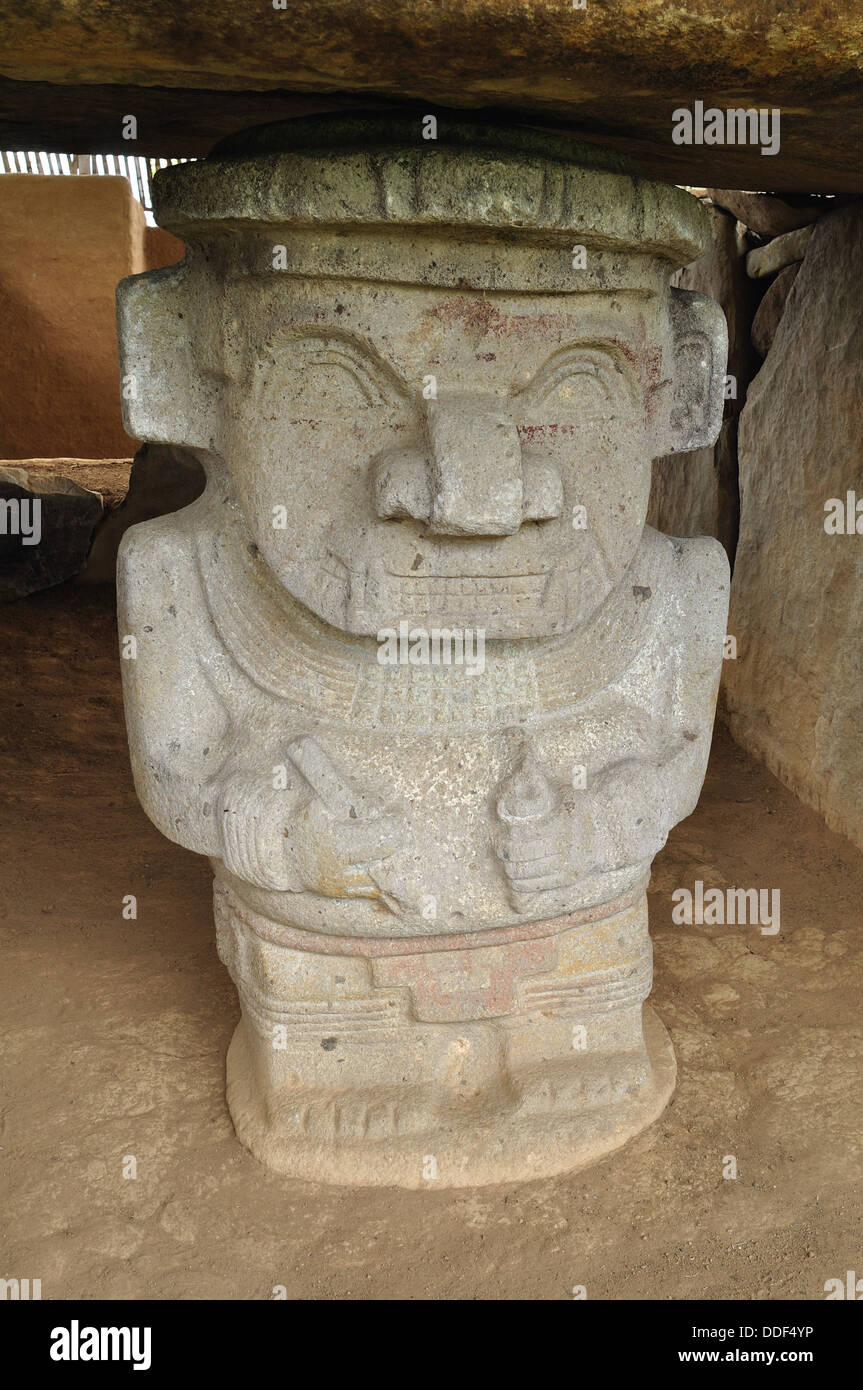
(455,587)
(452,590)
(525,603)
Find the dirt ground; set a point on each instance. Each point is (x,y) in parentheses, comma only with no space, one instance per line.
(115,1035)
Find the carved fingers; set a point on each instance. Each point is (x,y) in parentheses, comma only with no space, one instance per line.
(319,833)
(343,835)
(534,839)
(536,859)
(547,838)
(251,820)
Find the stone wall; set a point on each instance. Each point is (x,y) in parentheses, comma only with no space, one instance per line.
(64,244)
(793,694)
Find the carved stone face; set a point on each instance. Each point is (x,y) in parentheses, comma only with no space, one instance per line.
(443,456)
(430,409)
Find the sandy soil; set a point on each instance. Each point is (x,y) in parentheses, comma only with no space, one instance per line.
(115,1035)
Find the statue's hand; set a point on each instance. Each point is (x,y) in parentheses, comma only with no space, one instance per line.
(548,839)
(534,837)
(338,842)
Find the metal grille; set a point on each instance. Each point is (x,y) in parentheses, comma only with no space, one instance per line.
(136,169)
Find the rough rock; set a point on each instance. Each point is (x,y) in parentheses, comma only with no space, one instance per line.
(781,251)
(765,215)
(46,523)
(794,692)
(109,477)
(771,309)
(616,68)
(162,479)
(430,854)
(695,494)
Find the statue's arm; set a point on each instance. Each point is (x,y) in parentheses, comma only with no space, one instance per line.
(195,774)
(623,816)
(204,776)
(639,800)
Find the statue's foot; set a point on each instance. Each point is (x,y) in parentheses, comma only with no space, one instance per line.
(555,1117)
(580,1082)
(379,1113)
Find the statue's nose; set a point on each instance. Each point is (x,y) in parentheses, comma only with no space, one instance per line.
(475,457)
(469,478)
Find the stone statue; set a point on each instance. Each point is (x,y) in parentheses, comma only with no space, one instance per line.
(412,671)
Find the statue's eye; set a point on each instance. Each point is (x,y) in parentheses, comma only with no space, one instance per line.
(310,378)
(581,392)
(329,384)
(582,383)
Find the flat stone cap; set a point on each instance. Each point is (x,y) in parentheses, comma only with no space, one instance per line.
(482,179)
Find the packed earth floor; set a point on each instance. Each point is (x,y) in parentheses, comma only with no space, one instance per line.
(115,1032)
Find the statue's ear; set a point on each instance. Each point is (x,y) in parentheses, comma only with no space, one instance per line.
(700,355)
(167,398)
